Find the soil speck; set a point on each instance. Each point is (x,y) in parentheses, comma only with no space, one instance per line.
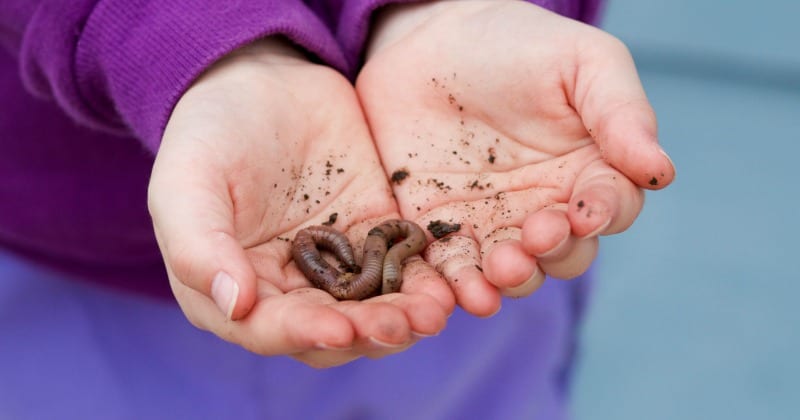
(439,229)
(399,175)
(331,219)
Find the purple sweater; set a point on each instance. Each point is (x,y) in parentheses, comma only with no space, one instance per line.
(86,87)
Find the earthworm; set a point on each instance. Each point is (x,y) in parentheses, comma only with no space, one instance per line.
(381,270)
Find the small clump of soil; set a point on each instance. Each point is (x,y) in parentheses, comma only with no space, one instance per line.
(331,219)
(399,175)
(439,229)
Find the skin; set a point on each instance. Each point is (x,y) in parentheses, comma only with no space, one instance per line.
(506,116)
(234,143)
(381,272)
(567,101)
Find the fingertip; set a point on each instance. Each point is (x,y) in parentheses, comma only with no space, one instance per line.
(639,157)
(507,265)
(532,284)
(575,261)
(662,173)
(474,293)
(419,277)
(376,321)
(236,303)
(458,261)
(425,316)
(232,282)
(545,232)
(590,212)
(312,325)
(217,268)
(225,294)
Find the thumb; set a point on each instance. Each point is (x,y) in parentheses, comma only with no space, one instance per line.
(612,103)
(193,221)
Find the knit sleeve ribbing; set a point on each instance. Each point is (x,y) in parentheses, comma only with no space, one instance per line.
(350,20)
(121,65)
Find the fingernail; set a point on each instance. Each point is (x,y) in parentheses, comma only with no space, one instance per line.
(499,307)
(555,250)
(667,156)
(671,163)
(420,336)
(529,286)
(225,292)
(597,231)
(324,346)
(384,345)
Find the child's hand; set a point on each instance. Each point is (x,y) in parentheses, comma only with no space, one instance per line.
(262,145)
(529,129)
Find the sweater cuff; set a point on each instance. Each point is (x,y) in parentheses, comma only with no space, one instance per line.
(353,27)
(125,63)
(355,19)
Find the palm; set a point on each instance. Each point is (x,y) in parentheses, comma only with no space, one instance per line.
(483,149)
(304,161)
(254,152)
(487,109)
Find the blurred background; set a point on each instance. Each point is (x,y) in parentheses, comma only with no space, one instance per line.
(696,314)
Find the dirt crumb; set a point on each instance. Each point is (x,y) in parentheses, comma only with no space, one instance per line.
(439,229)
(331,219)
(439,184)
(399,175)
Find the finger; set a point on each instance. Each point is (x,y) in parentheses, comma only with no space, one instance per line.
(546,234)
(507,266)
(381,328)
(425,317)
(297,321)
(194,229)
(424,314)
(573,261)
(419,277)
(457,258)
(603,201)
(300,321)
(321,359)
(612,103)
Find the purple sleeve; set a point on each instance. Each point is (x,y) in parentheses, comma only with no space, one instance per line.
(121,65)
(350,19)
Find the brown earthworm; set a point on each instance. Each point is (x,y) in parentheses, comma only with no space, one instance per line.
(381,271)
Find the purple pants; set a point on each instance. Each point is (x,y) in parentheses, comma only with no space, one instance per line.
(71,350)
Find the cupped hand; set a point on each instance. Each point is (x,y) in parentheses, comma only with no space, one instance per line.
(263,144)
(529,130)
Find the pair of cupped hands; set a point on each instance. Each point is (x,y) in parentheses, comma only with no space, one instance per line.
(530,130)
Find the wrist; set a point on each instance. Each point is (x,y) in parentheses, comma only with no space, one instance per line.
(394,22)
(272,51)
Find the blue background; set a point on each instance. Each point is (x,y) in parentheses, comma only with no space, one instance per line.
(696,313)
